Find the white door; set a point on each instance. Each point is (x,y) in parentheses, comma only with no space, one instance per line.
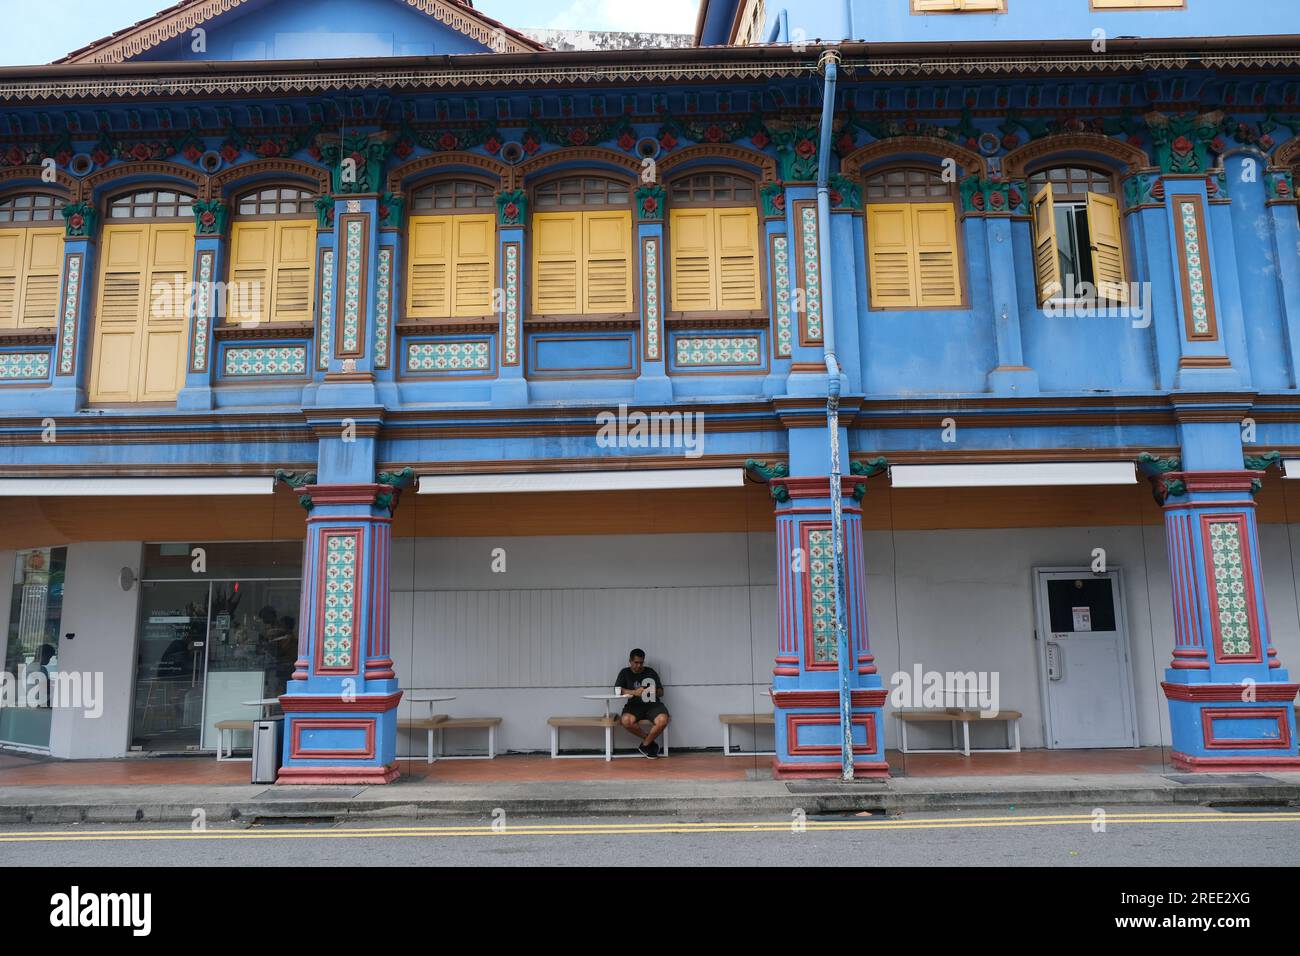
(1083,657)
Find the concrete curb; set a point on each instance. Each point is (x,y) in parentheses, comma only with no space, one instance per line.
(369,809)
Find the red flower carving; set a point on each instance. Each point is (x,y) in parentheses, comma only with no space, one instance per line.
(269,148)
(76,221)
(403,149)
(846,143)
(667,140)
(314,152)
(1218,145)
(996,200)
(141,152)
(230,152)
(627,141)
(713,134)
(649,205)
(492,144)
(1158,190)
(1283,187)
(384,212)
(1182,146)
(779,200)
(1135,140)
(192,153)
(911,126)
(805,149)
(836,197)
(207,218)
(1010,141)
(63,157)
(531,145)
(1266,142)
(1014,198)
(15,156)
(760,139)
(448,141)
(978,201)
(578,136)
(99,157)
(511,212)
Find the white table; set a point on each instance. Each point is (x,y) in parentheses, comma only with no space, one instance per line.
(429,757)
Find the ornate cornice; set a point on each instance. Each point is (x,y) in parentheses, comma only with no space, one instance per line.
(452,158)
(279,167)
(103,177)
(704,152)
(586,154)
(30,176)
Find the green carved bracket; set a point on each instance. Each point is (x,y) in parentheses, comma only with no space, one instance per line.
(325,212)
(1155,469)
(512,207)
(770,475)
(650,203)
(296,481)
(867,469)
(79,220)
(1261,463)
(390,210)
(396,480)
(211,217)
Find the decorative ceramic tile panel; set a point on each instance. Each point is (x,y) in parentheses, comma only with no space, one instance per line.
(706,350)
(812,292)
(1230,588)
(821,594)
(247,361)
(354,280)
(1195,271)
(510,317)
(383,305)
(326,307)
(68,327)
(202,312)
(448,357)
(340,586)
(24,366)
(781,281)
(653,316)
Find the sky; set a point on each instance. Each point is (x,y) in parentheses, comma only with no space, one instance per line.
(47,29)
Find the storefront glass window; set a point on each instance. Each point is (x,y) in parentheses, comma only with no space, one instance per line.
(32,647)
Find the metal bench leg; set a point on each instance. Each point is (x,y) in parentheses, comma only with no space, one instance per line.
(428,745)
(965,737)
(1017,723)
(492,742)
(664,738)
(726,740)
(555,742)
(902,730)
(442,743)
(221,743)
(609,744)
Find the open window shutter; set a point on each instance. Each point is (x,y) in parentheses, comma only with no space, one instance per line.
(557,263)
(1047,263)
(739,286)
(891,256)
(428,268)
(1105,231)
(41,274)
(295,259)
(934,234)
(12,255)
(608,267)
(252,256)
(691,234)
(472,278)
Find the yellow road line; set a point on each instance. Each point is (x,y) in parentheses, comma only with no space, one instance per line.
(631,829)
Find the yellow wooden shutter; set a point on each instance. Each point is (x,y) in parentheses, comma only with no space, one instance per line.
(428,268)
(607,271)
(294,270)
(928,6)
(166,327)
(934,234)
(123,272)
(252,261)
(1105,230)
(890,255)
(691,232)
(1047,264)
(13,252)
(472,279)
(43,267)
(557,263)
(739,279)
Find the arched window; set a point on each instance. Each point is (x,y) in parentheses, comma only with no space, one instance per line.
(913,251)
(713,244)
(582,247)
(1078,233)
(273,256)
(31,260)
(452,251)
(151,204)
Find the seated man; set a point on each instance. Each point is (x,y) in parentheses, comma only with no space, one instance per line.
(643,688)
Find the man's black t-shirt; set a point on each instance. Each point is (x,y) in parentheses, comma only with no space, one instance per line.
(639,682)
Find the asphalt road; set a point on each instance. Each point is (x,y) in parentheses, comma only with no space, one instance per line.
(1061,837)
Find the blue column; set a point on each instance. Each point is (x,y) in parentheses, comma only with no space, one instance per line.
(354,340)
(1230,700)
(388,298)
(653,385)
(1012,376)
(1285,243)
(511,387)
(808,367)
(67,393)
(196,393)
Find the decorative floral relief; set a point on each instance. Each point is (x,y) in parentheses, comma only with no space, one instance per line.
(266,360)
(340,600)
(696,351)
(448,356)
(781,278)
(1230,588)
(68,335)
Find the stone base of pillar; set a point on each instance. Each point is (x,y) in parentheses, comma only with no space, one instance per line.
(1219,728)
(343,739)
(1007,380)
(808,735)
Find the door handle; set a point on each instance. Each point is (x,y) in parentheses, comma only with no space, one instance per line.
(1054,670)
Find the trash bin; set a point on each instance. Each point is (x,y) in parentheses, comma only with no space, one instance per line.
(268,736)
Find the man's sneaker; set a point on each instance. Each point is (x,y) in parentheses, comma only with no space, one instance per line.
(647,752)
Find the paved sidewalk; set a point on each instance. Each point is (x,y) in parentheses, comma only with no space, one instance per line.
(422,799)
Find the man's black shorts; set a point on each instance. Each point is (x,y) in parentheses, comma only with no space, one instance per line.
(643,710)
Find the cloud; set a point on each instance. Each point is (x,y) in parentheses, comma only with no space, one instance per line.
(638,16)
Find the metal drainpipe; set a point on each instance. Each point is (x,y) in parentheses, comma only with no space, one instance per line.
(828,65)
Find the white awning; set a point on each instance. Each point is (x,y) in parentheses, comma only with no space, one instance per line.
(583,481)
(1014,474)
(1291,467)
(133,487)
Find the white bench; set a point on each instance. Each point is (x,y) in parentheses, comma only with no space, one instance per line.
(226,730)
(428,725)
(744,720)
(606,721)
(962,716)
(489,724)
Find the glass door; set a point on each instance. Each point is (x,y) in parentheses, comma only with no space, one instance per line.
(171,665)
(31,650)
